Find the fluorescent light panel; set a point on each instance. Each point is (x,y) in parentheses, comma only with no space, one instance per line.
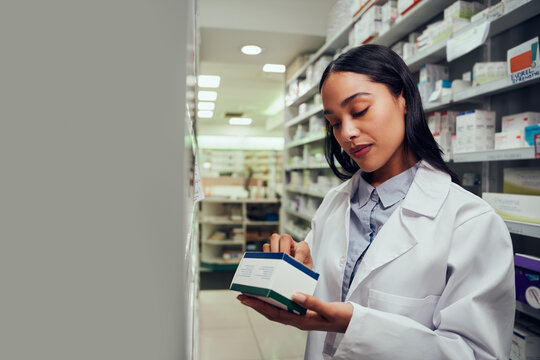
(240,142)
(275,68)
(251,49)
(203,105)
(210,81)
(240,121)
(205,114)
(207,95)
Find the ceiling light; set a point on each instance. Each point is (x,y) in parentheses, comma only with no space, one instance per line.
(211,81)
(207,96)
(205,114)
(206,105)
(276,68)
(251,49)
(240,121)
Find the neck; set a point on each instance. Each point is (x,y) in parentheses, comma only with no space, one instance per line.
(393,168)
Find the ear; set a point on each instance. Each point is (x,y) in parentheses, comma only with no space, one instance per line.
(402,103)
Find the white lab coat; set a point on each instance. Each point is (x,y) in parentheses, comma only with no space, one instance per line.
(436,283)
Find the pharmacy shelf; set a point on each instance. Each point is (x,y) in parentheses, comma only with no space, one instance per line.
(496,155)
(437,52)
(528,310)
(220,222)
(262,223)
(307,166)
(306,140)
(293,233)
(523,228)
(300,215)
(491,88)
(224,200)
(304,116)
(412,20)
(341,39)
(305,191)
(225,242)
(305,96)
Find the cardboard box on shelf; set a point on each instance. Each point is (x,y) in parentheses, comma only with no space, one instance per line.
(524,181)
(515,207)
(475,131)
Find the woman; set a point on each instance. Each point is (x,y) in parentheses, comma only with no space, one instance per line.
(411,265)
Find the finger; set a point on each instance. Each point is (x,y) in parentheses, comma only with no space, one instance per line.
(286,243)
(302,253)
(271,312)
(266,247)
(311,303)
(274,242)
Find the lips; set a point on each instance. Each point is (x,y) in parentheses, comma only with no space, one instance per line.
(360,150)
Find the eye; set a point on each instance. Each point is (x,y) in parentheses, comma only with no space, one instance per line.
(361,113)
(335,125)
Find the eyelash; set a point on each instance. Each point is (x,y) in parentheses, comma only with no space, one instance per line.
(355,115)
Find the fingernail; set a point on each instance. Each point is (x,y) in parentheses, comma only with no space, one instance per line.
(299,298)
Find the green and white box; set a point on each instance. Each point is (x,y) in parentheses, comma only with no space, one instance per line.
(274,278)
(515,207)
(524,181)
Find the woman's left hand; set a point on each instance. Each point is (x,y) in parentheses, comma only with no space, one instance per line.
(323,316)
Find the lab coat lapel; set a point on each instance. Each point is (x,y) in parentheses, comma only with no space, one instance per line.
(399,234)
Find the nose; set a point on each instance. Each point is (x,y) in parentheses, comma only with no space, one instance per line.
(349,130)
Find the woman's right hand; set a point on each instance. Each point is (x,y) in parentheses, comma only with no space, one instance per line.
(284,243)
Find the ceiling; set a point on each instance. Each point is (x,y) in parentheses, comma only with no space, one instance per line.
(284,29)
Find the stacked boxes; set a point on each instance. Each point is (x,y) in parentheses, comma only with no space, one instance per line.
(475,131)
(463,9)
(389,14)
(369,25)
(525,342)
(484,72)
(429,75)
(512,133)
(443,126)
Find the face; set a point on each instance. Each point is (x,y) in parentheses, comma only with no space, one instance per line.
(368,122)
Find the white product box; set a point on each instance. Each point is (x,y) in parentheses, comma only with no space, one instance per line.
(432,73)
(409,50)
(524,181)
(434,122)
(398,48)
(444,139)
(405,5)
(475,131)
(488,71)
(448,121)
(369,25)
(389,12)
(459,9)
(510,139)
(515,207)
(523,61)
(480,16)
(525,344)
(520,121)
(274,278)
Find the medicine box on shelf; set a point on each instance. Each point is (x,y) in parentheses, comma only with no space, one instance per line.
(527,270)
(274,278)
(515,207)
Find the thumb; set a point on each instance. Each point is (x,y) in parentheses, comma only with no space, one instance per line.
(310,302)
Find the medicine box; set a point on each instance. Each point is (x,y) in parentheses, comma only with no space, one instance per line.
(523,61)
(475,131)
(515,207)
(274,278)
(530,132)
(524,181)
(527,270)
(510,139)
(520,121)
(525,343)
(484,72)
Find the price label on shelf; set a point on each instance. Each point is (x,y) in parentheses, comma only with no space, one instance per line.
(466,41)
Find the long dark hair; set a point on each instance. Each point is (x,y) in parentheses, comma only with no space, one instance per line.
(384,66)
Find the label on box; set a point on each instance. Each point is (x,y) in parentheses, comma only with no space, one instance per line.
(537,145)
(523,61)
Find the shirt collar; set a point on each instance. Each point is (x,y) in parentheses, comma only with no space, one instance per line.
(389,192)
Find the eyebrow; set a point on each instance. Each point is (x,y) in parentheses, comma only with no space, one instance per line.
(348,100)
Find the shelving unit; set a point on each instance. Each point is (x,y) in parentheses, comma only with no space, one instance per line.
(237,221)
(506,31)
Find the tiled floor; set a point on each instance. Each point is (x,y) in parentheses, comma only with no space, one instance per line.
(230,330)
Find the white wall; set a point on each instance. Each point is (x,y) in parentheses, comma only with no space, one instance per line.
(91,179)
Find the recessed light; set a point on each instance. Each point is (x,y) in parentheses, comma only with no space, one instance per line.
(251,49)
(202,105)
(240,121)
(207,95)
(211,81)
(275,68)
(205,114)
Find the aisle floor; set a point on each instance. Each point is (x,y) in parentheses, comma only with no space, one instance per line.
(230,330)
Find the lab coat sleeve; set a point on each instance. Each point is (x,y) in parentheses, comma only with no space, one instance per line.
(473,318)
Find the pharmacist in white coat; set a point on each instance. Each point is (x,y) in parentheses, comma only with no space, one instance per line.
(411,265)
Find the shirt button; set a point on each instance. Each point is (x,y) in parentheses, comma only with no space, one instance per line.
(342,261)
